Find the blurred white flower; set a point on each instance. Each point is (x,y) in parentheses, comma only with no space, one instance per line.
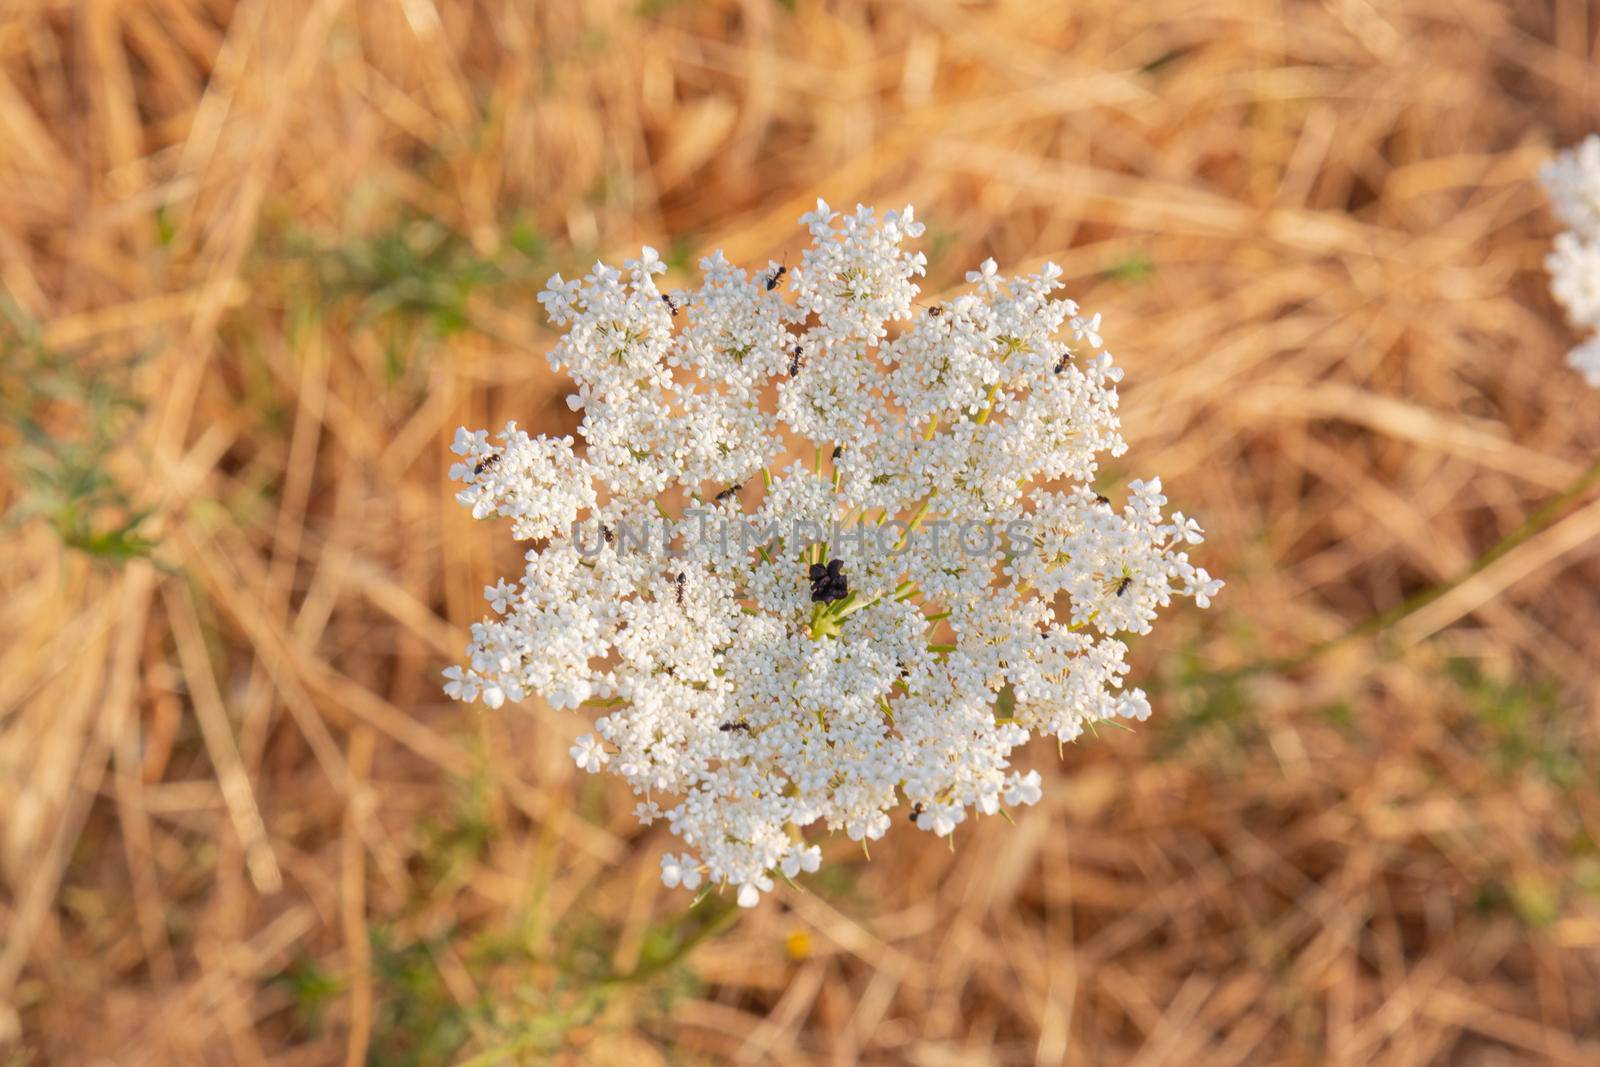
(1187,528)
(589,754)
(500,595)
(1572,181)
(1024,789)
(850,644)
(1585,359)
(679,870)
(801,857)
(750,892)
(1088,330)
(1135,706)
(458,686)
(941,819)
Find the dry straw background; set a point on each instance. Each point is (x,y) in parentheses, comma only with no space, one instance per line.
(260,259)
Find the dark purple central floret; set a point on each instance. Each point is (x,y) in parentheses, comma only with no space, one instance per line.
(828,583)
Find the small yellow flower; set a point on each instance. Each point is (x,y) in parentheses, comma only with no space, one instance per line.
(798,944)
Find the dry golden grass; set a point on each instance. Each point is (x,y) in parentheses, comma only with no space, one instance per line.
(260,259)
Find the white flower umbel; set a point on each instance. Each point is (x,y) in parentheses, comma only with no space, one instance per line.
(763,670)
(1572,181)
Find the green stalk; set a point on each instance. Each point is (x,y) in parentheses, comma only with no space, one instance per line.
(1530,527)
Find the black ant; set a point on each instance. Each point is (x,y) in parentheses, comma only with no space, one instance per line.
(734,727)
(838,450)
(605,531)
(794,361)
(485,463)
(672,305)
(729,492)
(775,277)
(1123,583)
(936,311)
(1100,498)
(916,809)
(1061,364)
(680,582)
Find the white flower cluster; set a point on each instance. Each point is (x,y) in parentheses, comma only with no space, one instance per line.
(1572,181)
(757,689)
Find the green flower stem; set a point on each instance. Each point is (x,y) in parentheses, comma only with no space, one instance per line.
(1535,523)
(988,405)
(721,918)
